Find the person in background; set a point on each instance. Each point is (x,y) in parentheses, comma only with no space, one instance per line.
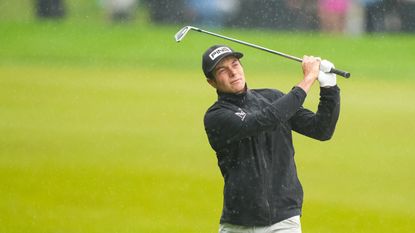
(374,14)
(50,8)
(120,10)
(214,13)
(332,14)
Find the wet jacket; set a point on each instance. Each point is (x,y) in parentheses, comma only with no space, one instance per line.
(251,135)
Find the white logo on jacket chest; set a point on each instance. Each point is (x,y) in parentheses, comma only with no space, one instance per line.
(241,114)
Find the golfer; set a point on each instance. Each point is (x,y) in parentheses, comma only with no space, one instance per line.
(251,133)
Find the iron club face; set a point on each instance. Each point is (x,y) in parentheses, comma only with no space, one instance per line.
(182,33)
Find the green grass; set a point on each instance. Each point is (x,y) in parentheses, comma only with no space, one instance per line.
(101,129)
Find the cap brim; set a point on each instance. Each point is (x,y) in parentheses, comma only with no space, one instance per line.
(235,54)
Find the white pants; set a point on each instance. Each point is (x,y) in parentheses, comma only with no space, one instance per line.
(291,225)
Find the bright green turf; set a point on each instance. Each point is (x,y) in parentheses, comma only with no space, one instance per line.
(101,130)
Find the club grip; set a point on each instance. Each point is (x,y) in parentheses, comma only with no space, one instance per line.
(340,72)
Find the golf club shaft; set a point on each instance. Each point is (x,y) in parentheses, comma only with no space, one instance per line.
(333,70)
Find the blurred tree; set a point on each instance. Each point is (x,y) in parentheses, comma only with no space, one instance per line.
(166,11)
(407,13)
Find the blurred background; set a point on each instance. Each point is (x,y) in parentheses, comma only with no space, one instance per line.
(101,112)
(341,16)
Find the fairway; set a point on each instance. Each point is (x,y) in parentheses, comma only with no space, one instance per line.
(102,130)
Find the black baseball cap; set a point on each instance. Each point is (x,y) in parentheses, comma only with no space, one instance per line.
(214,55)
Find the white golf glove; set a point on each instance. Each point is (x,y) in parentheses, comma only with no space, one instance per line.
(325,78)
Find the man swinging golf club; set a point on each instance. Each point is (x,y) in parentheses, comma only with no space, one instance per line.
(250,131)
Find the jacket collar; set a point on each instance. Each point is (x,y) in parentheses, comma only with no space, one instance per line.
(233,98)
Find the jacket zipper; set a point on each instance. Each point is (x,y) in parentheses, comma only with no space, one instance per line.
(267,193)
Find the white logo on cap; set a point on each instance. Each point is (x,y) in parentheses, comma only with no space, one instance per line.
(219,51)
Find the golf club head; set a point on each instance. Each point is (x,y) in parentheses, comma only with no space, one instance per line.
(182,33)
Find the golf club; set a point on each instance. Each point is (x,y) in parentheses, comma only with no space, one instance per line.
(182,33)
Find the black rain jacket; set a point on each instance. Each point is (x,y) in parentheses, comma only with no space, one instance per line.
(251,135)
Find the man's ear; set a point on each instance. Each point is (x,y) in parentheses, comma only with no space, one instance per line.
(212,82)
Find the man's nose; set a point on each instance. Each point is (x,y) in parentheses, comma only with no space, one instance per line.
(232,71)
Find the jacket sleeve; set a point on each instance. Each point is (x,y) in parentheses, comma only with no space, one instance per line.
(319,125)
(225,125)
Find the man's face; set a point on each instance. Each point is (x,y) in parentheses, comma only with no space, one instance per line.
(229,76)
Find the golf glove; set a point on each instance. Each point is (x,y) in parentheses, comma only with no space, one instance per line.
(325,78)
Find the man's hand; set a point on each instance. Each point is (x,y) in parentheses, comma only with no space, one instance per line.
(325,78)
(311,69)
